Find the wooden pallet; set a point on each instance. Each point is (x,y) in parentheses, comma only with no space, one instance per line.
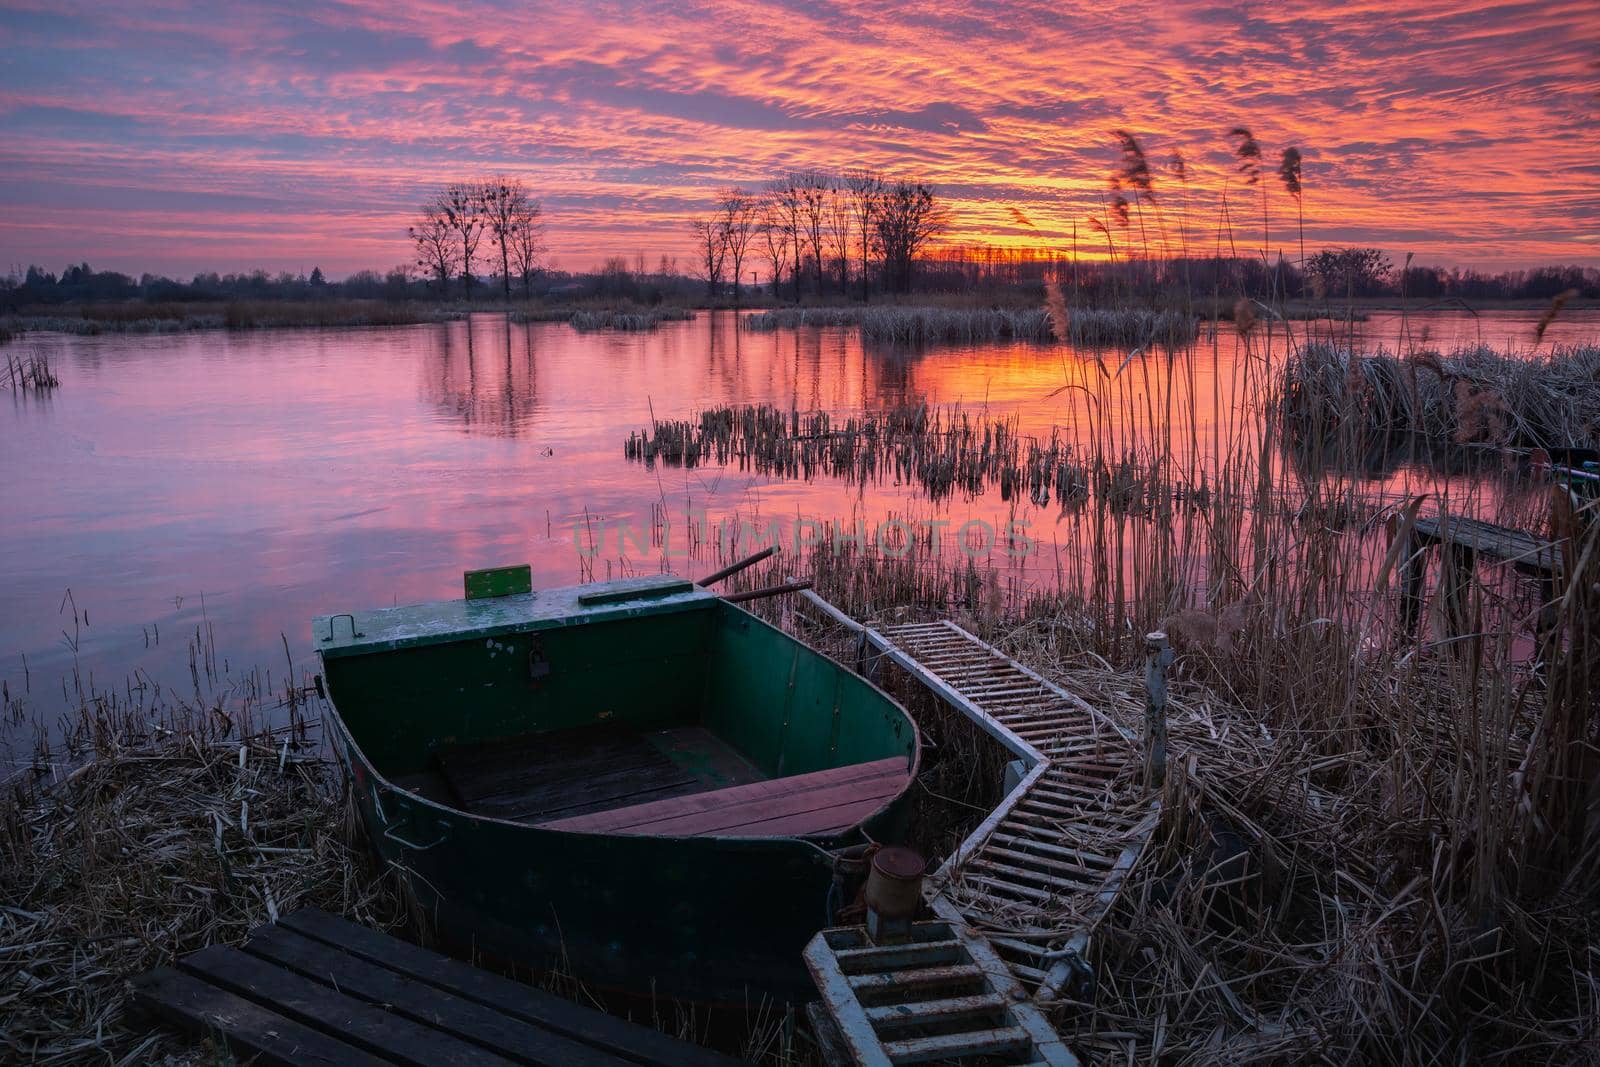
(312,989)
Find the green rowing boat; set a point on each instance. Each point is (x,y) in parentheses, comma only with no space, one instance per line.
(636,781)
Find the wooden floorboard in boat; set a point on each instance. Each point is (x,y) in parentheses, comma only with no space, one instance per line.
(820,802)
(543,776)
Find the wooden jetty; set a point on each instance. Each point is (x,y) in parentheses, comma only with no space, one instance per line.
(1032,882)
(1461,542)
(312,989)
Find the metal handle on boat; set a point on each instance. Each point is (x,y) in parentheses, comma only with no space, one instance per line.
(405,820)
(345,615)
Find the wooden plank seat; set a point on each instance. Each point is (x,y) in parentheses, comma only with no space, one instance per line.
(816,803)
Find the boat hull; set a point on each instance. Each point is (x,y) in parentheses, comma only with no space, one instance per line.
(704,918)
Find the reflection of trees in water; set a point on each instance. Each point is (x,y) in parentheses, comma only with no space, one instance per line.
(483,375)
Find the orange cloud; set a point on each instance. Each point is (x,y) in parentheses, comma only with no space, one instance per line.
(175,137)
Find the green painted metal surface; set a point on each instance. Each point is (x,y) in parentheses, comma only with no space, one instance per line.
(448,621)
(498,581)
(696,917)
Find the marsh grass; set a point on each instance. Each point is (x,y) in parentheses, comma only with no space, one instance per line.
(1372,849)
(586,318)
(170,828)
(30,373)
(945,450)
(143,318)
(923,326)
(636,322)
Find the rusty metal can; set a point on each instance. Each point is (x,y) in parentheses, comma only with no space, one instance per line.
(894,883)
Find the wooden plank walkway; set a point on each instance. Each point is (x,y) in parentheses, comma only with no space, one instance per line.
(1029,886)
(1046,867)
(312,989)
(1461,542)
(1518,547)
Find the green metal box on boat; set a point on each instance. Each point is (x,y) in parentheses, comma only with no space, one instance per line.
(498,581)
(636,779)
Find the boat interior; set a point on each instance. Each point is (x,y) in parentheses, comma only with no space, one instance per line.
(698,721)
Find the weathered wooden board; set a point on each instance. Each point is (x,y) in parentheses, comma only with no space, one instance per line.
(818,802)
(512,998)
(316,990)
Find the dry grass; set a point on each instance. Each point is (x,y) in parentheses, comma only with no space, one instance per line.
(1371,851)
(173,833)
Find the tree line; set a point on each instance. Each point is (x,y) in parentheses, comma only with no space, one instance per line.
(822,230)
(454,222)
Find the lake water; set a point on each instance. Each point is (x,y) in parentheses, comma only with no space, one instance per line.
(240,483)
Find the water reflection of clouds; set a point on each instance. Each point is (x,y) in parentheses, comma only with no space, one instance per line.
(289,473)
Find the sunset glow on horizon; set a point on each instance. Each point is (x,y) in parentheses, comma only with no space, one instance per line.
(176,137)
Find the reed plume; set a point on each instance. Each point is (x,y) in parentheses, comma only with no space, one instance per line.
(1248,152)
(1551,312)
(1055,305)
(1135,169)
(1020,218)
(1289,171)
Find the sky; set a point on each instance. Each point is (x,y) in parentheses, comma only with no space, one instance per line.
(174,136)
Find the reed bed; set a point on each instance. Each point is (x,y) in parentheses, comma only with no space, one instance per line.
(145,318)
(1470,396)
(796,317)
(639,319)
(30,373)
(918,326)
(930,326)
(638,322)
(944,450)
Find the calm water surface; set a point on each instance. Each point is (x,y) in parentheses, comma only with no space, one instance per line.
(243,483)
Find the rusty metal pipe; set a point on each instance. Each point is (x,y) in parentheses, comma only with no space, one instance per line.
(735,567)
(771,590)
